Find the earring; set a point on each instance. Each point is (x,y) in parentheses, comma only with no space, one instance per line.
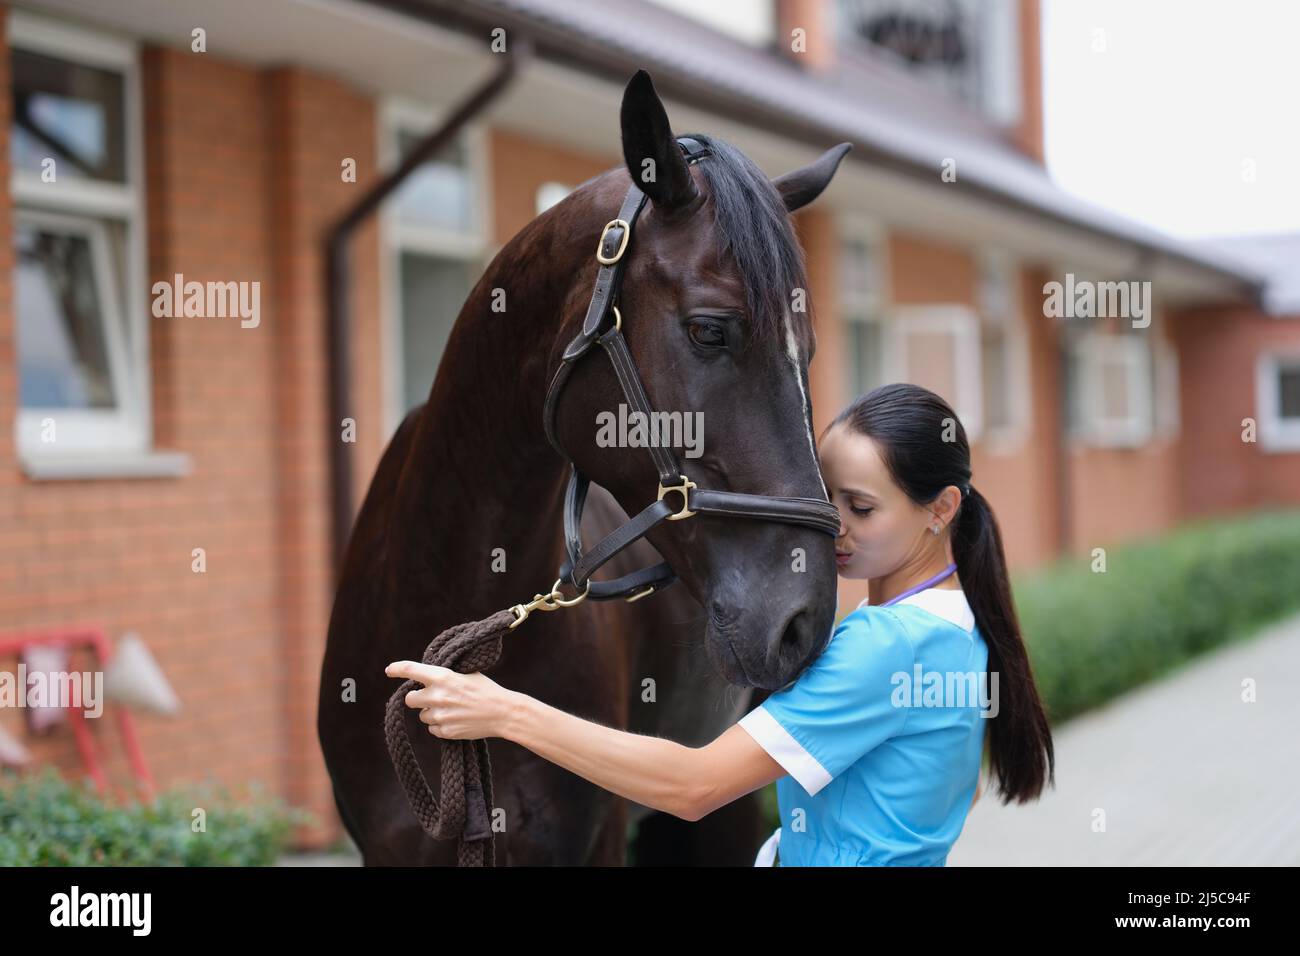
(934,529)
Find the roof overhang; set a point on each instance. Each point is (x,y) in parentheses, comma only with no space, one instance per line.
(437,50)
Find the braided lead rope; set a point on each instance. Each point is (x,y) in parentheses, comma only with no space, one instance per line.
(464,812)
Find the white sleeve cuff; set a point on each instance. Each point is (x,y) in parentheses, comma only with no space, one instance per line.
(785,750)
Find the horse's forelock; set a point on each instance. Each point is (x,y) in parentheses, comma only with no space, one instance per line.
(754,231)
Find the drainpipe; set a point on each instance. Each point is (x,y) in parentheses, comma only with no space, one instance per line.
(1064,460)
(338,283)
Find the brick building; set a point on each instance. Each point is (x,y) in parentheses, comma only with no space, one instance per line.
(211,143)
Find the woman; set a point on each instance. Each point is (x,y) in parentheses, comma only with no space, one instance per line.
(876,746)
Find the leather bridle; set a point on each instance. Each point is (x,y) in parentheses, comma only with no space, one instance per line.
(578,567)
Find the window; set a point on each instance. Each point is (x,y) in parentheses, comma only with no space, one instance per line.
(72,352)
(969,49)
(862,298)
(69,112)
(433,289)
(1167,412)
(1121,382)
(1277,401)
(866,349)
(81,342)
(1003,353)
(435,232)
(437,196)
(938,347)
(1113,388)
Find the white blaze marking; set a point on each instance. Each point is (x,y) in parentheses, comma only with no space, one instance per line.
(792,350)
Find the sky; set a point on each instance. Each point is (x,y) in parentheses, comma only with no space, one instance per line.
(1183,114)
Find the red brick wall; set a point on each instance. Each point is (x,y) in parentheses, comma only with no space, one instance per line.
(816,19)
(243,172)
(520,165)
(312,123)
(1125,493)
(1217,471)
(1028,133)
(827,374)
(1117,493)
(923,271)
(1033,531)
(1020,481)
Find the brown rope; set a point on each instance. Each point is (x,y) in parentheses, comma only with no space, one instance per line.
(465,809)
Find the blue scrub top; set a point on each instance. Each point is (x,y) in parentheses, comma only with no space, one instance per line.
(881,736)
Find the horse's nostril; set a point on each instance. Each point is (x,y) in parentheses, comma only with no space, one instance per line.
(793,632)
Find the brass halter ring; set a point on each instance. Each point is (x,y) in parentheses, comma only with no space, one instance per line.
(686,511)
(560,602)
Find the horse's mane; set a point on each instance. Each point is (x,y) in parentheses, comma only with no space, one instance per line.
(754,228)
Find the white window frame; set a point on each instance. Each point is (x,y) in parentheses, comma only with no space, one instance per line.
(472,246)
(1167,414)
(1275,434)
(93,429)
(87,445)
(1010,438)
(1001,61)
(873,233)
(963,324)
(1096,348)
(874,307)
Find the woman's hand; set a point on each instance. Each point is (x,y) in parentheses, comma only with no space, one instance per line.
(456,706)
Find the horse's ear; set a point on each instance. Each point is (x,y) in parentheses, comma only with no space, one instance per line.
(799,187)
(650,150)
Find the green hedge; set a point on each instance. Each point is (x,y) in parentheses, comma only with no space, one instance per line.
(47,821)
(1159,603)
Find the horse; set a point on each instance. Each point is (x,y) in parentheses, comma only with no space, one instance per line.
(463,513)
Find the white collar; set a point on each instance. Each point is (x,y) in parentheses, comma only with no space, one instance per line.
(947,603)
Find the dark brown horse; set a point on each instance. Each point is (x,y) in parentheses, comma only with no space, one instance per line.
(706,307)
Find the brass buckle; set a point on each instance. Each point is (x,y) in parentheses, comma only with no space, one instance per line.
(686,511)
(638,596)
(627,234)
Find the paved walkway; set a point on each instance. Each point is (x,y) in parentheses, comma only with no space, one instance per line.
(321,858)
(1186,772)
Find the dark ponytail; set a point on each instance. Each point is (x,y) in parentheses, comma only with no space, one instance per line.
(924,446)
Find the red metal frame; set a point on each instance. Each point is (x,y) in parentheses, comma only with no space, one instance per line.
(94,638)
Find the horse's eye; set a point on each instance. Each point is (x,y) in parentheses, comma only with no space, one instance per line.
(707,336)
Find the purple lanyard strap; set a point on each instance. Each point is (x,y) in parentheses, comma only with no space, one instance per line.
(941,576)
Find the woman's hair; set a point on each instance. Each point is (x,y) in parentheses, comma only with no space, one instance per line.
(924,446)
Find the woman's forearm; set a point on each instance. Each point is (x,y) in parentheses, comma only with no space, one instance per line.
(648,770)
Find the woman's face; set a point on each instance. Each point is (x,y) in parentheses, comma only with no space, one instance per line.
(881,528)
